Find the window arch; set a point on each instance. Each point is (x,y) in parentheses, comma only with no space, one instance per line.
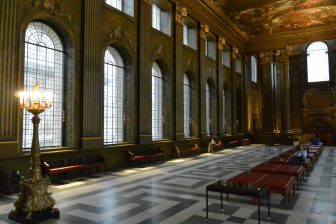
(114,75)
(317,62)
(44,62)
(157,102)
(208,108)
(187,105)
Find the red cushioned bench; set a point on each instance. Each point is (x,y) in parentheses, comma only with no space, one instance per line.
(53,167)
(233,143)
(140,156)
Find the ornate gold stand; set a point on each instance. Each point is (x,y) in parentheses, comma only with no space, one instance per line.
(34,203)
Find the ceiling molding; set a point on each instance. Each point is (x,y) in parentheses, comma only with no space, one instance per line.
(282,40)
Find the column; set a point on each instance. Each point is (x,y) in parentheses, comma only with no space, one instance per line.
(285,91)
(180,13)
(220,86)
(9,39)
(268,93)
(92,77)
(145,72)
(204,29)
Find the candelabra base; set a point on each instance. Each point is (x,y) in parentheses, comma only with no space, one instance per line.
(35,203)
(34,217)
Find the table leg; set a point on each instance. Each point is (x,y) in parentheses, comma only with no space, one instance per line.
(259,209)
(268,206)
(207,204)
(221,201)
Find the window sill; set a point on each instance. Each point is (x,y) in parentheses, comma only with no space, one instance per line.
(161,33)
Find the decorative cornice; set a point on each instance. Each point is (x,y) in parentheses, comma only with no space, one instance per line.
(120,35)
(282,40)
(149,2)
(204,30)
(221,43)
(54,7)
(180,13)
(266,57)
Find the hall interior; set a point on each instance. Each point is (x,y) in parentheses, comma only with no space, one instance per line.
(137,82)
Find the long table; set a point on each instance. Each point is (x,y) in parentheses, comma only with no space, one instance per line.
(222,186)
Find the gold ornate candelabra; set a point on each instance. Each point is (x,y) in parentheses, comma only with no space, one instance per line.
(34,203)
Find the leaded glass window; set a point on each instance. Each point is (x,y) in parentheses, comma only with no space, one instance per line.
(44,63)
(187,103)
(318,62)
(157,102)
(253,69)
(156,17)
(114,74)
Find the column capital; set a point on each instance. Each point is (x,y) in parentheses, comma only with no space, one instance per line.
(180,13)
(204,30)
(235,52)
(221,43)
(149,2)
(282,54)
(266,57)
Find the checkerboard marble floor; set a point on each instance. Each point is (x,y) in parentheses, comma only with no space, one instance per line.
(174,192)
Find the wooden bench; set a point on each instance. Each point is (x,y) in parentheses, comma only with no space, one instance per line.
(187,150)
(53,167)
(218,146)
(140,156)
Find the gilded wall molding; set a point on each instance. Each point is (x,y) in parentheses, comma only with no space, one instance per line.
(54,7)
(204,30)
(282,54)
(221,43)
(266,57)
(235,52)
(180,13)
(160,52)
(119,34)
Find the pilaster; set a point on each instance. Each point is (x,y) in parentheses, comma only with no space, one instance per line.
(234,56)
(8,77)
(220,86)
(145,73)
(204,29)
(180,13)
(92,77)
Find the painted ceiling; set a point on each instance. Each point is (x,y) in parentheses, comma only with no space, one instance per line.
(261,17)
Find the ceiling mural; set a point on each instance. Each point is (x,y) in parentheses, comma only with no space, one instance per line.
(259,17)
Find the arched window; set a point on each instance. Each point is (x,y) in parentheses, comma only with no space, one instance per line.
(114,74)
(253,69)
(208,108)
(317,62)
(157,102)
(187,105)
(44,63)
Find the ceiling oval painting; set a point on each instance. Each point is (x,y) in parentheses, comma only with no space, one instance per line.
(260,17)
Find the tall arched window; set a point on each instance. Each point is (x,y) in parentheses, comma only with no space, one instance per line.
(44,63)
(187,105)
(208,108)
(157,102)
(114,74)
(317,62)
